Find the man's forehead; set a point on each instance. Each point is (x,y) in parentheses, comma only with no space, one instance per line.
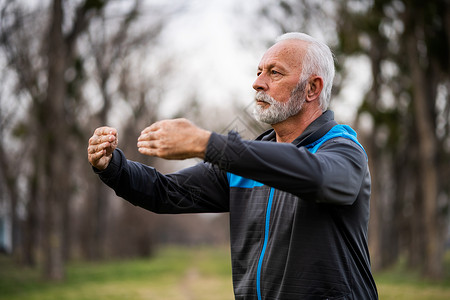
(283,53)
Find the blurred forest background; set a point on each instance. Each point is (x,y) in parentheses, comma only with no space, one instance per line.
(71,66)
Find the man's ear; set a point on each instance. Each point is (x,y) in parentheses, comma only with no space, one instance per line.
(314,88)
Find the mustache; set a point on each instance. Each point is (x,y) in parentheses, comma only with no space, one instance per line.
(262,96)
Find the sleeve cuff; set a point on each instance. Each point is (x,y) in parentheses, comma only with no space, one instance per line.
(217,149)
(114,166)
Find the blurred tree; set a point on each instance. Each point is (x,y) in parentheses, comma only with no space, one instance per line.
(52,68)
(40,69)
(23,84)
(9,175)
(409,50)
(115,47)
(56,130)
(408,46)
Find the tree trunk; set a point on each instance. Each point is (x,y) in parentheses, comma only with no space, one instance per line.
(427,151)
(54,129)
(375,216)
(31,223)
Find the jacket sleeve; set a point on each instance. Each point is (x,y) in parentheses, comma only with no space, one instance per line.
(333,174)
(201,188)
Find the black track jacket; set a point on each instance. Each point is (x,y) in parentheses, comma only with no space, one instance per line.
(299,211)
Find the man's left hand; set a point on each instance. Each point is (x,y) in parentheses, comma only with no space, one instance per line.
(174,139)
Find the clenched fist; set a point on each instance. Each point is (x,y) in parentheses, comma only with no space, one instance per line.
(173,139)
(101,146)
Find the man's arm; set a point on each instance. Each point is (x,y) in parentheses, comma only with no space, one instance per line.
(201,188)
(333,174)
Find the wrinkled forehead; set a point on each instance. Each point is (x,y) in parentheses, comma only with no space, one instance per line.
(289,53)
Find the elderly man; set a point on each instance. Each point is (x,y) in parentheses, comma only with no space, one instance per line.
(298,196)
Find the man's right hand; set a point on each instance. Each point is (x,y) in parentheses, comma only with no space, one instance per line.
(101,146)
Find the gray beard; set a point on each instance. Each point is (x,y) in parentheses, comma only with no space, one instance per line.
(278,111)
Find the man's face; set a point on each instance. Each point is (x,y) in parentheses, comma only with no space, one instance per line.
(277,111)
(278,74)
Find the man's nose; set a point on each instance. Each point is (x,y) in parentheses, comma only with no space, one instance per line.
(260,83)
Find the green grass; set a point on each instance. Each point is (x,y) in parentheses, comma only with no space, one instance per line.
(177,274)
(192,273)
(399,283)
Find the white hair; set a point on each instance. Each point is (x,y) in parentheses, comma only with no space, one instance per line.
(318,60)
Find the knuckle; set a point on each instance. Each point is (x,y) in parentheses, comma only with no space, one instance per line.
(154,135)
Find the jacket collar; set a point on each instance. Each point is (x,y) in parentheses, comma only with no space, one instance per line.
(322,123)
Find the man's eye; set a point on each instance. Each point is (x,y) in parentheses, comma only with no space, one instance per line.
(275,72)
(258,73)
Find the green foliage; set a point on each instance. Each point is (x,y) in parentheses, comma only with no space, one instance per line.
(21,130)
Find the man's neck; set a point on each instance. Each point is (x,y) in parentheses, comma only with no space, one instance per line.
(288,130)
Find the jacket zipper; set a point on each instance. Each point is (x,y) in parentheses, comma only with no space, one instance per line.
(266,238)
